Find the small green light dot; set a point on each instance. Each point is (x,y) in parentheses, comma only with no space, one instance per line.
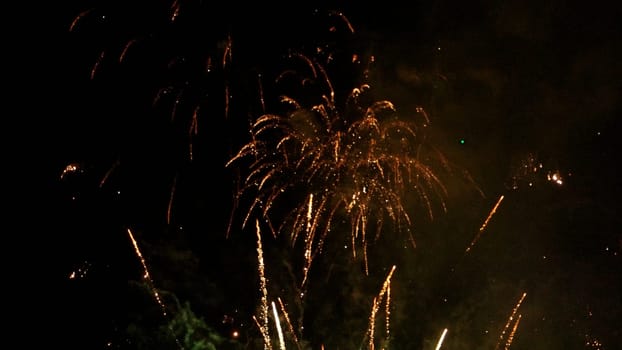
(462,141)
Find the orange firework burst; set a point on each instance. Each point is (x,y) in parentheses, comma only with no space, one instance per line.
(361,164)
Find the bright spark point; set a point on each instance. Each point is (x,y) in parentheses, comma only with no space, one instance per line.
(555,177)
(71,168)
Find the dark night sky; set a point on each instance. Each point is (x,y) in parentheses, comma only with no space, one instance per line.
(507,85)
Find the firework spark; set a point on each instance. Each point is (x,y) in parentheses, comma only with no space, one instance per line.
(169,209)
(151,285)
(289,323)
(509,322)
(279,330)
(511,335)
(441,339)
(364,163)
(386,289)
(78,18)
(146,274)
(485,224)
(264,312)
(106,176)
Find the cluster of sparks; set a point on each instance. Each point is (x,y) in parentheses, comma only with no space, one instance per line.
(529,172)
(263,319)
(146,274)
(506,337)
(71,168)
(81,271)
(357,164)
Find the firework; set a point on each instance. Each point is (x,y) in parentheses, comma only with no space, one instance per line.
(154,291)
(485,224)
(441,339)
(362,163)
(386,290)
(146,274)
(329,161)
(509,322)
(277,323)
(263,326)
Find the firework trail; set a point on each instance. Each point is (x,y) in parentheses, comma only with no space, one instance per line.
(71,168)
(264,311)
(169,209)
(289,323)
(154,291)
(483,227)
(511,335)
(264,333)
(508,323)
(277,322)
(386,289)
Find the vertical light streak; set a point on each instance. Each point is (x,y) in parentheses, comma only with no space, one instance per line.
(376,305)
(277,322)
(263,327)
(261,94)
(387,313)
(227,57)
(226,101)
(264,334)
(372,322)
(193,131)
(308,240)
(481,229)
(441,339)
